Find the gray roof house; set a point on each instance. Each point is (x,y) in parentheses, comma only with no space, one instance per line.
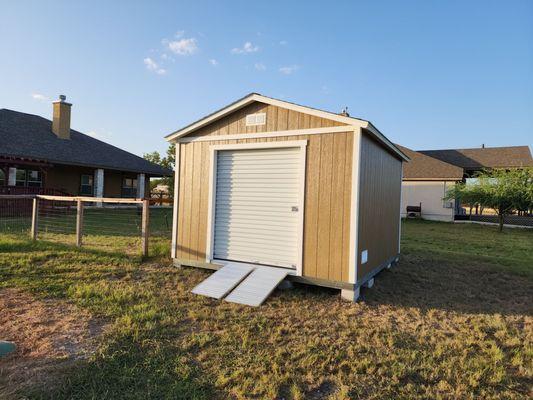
(44,156)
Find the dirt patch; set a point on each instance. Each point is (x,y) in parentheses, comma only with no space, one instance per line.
(50,335)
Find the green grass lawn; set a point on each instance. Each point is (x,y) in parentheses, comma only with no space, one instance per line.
(453,320)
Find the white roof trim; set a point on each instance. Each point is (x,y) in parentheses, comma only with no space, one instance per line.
(290,106)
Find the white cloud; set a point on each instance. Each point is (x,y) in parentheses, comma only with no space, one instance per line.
(260,66)
(166,57)
(39,97)
(247,47)
(151,65)
(213,62)
(289,69)
(283,42)
(182,47)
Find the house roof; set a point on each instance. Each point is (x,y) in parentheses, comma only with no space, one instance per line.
(488,157)
(30,136)
(422,167)
(253,97)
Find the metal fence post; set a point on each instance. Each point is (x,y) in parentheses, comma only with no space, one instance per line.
(79,223)
(144,228)
(35,218)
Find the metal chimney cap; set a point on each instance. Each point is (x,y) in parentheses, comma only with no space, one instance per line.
(62,97)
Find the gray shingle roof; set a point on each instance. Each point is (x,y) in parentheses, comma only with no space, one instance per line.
(488,157)
(30,136)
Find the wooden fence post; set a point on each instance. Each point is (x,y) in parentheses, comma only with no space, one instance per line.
(35,218)
(79,223)
(144,228)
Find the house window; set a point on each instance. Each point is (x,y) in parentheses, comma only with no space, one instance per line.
(86,187)
(2,178)
(129,187)
(20,177)
(34,178)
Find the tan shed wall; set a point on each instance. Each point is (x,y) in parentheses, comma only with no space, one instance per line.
(327,198)
(277,119)
(379,205)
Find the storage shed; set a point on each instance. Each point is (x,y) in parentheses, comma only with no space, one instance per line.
(311,194)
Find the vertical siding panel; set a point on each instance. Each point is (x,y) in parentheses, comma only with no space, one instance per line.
(272,118)
(283,119)
(262,108)
(293,120)
(196,188)
(347,199)
(187,200)
(315,122)
(224,127)
(303,121)
(311,206)
(337,207)
(324,196)
(204,196)
(181,197)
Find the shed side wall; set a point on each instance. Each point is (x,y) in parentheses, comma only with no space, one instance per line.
(327,202)
(379,205)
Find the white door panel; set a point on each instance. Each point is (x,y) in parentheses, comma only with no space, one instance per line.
(257,206)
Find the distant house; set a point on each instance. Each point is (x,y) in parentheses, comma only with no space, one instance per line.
(47,157)
(430,173)
(425,182)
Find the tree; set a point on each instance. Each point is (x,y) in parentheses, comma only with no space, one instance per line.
(504,191)
(168,162)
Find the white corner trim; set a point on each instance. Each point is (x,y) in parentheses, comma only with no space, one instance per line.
(175,211)
(262,135)
(354,207)
(302,144)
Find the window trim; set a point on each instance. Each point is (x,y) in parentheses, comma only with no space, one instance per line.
(129,191)
(91,179)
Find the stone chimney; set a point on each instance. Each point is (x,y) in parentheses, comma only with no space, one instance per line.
(61,118)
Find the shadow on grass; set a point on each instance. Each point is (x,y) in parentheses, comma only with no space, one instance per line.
(131,367)
(425,284)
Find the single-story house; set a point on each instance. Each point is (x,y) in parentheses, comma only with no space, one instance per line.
(39,156)
(310,194)
(430,173)
(425,183)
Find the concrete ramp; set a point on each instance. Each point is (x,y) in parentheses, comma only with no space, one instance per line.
(223,281)
(257,286)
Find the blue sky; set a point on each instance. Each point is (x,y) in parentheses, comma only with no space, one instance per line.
(428,74)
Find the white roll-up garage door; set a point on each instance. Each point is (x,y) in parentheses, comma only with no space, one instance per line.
(257,206)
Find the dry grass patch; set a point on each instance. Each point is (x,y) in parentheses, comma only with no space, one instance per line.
(447,323)
(50,336)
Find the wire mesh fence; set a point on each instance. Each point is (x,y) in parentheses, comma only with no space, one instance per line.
(15,213)
(105,224)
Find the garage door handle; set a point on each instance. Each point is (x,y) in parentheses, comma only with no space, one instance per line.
(294,208)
